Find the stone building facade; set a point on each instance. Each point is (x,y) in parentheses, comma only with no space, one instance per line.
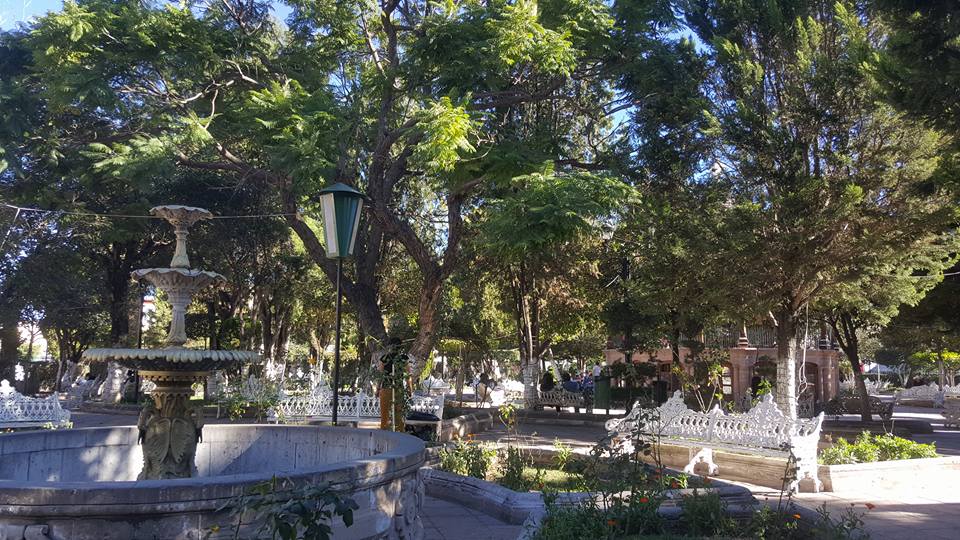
(753,358)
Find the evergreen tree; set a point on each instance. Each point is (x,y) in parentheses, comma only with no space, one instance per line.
(827,180)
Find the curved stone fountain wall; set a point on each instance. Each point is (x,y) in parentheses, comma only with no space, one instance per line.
(79,483)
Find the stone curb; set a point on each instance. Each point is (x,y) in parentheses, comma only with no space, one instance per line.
(528,509)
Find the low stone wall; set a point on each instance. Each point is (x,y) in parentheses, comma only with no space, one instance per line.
(528,509)
(79,483)
(890,475)
(461,426)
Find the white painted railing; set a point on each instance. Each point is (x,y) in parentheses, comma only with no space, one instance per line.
(319,404)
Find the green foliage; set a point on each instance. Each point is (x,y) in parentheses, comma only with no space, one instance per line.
(868,448)
(287,511)
(919,68)
(519,40)
(448,129)
(563,454)
(705,514)
(468,458)
(516,472)
(550,210)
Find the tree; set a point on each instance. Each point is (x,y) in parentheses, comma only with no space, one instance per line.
(822,173)
(67,300)
(921,67)
(931,327)
(863,307)
(531,229)
(673,283)
(389,96)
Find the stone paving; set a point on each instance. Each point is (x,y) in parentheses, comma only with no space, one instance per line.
(444,520)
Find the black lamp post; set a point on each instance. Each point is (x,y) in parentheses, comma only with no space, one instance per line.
(341,206)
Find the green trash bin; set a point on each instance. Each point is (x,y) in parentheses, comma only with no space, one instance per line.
(601,393)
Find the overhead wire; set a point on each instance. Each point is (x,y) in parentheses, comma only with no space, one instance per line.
(133,216)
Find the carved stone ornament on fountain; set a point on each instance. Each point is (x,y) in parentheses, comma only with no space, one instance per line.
(170,427)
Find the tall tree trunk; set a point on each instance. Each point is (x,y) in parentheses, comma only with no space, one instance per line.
(941,371)
(675,363)
(212,334)
(529,363)
(427,324)
(845,330)
(462,375)
(9,343)
(786,395)
(118,284)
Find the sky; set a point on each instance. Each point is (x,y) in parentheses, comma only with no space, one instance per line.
(15,11)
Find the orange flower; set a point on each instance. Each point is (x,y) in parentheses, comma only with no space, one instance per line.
(870,506)
(796,516)
(611,523)
(644,500)
(674,484)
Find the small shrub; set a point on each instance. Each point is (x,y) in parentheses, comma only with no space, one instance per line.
(468,458)
(288,511)
(514,463)
(563,454)
(706,515)
(847,527)
(868,448)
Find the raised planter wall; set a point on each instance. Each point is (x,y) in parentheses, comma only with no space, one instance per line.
(890,475)
(768,471)
(78,483)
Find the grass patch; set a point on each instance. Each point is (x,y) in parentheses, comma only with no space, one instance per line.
(555,479)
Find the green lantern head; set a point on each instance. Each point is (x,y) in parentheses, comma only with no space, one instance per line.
(341,218)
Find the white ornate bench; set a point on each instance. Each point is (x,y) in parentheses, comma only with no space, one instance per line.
(560,398)
(318,404)
(17,410)
(930,392)
(874,388)
(951,412)
(763,430)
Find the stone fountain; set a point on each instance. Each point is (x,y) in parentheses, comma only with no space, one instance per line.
(161,480)
(171,427)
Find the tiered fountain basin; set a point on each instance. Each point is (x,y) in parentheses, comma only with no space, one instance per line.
(80,483)
(188,360)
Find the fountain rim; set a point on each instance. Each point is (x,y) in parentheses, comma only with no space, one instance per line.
(187,272)
(138,496)
(177,355)
(203,212)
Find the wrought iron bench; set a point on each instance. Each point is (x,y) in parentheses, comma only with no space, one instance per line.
(764,430)
(17,410)
(951,412)
(560,398)
(850,404)
(930,392)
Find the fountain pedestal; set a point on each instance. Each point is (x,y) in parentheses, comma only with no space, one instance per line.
(170,427)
